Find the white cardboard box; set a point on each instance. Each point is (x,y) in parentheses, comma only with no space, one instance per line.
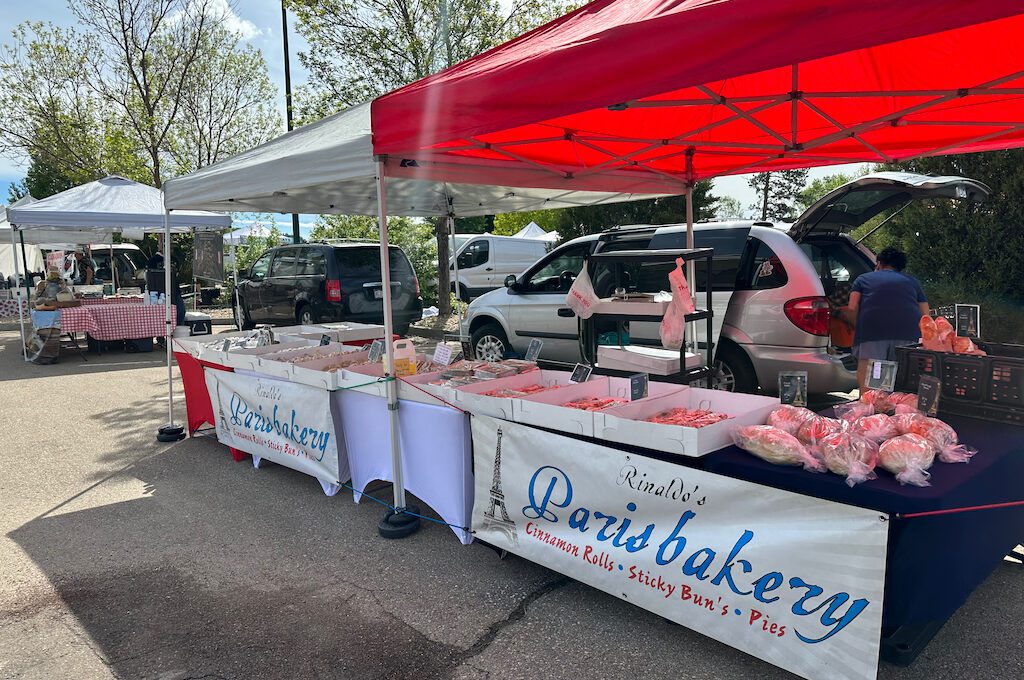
(424,392)
(470,397)
(627,424)
(276,364)
(643,359)
(545,409)
(636,306)
(248,358)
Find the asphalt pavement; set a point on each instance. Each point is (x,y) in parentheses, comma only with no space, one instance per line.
(124,558)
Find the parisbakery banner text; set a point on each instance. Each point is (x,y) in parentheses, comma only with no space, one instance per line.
(793,580)
(284,422)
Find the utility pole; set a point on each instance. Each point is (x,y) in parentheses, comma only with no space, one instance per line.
(296,236)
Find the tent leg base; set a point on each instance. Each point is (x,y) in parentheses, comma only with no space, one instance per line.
(170,433)
(399,524)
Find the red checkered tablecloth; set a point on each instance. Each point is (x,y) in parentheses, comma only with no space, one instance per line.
(113,301)
(115,321)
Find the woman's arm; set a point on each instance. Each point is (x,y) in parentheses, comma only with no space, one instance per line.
(924,308)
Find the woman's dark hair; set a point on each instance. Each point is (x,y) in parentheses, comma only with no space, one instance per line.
(892,257)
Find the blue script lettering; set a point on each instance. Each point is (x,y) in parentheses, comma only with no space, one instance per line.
(305,437)
(534,511)
(834,603)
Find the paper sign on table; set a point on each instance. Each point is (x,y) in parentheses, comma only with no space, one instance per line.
(376,349)
(325,339)
(580,374)
(928,390)
(881,375)
(533,351)
(793,387)
(442,354)
(968,321)
(638,386)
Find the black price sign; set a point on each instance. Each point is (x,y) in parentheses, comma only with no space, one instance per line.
(968,321)
(793,387)
(580,374)
(467,348)
(928,390)
(533,351)
(639,384)
(325,339)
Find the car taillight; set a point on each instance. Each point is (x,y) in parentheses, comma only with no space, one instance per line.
(809,314)
(416,283)
(334,291)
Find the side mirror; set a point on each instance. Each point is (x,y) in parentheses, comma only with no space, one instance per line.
(511,282)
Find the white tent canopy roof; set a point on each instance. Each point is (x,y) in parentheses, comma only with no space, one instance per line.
(535,231)
(328,167)
(111,204)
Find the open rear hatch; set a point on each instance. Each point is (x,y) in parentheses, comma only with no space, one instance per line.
(851,205)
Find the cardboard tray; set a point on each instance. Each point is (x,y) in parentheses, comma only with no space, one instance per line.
(470,397)
(627,424)
(248,358)
(313,373)
(545,408)
(644,359)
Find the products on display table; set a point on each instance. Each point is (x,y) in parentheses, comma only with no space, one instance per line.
(468,372)
(907,456)
(517,392)
(886,402)
(789,418)
(850,455)
(878,428)
(938,335)
(594,403)
(775,446)
(943,438)
(904,422)
(854,410)
(816,428)
(684,417)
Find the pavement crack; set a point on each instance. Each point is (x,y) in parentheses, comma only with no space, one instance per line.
(516,615)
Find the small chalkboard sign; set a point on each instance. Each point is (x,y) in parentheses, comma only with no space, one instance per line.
(376,349)
(881,375)
(325,339)
(928,390)
(533,351)
(580,374)
(226,346)
(968,321)
(793,388)
(639,384)
(467,348)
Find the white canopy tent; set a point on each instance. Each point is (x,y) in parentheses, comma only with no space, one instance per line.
(329,167)
(535,231)
(30,255)
(94,211)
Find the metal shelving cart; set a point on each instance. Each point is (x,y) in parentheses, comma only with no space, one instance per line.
(617,260)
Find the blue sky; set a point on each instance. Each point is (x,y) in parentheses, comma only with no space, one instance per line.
(260,22)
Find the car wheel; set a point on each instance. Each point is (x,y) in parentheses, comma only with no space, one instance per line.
(490,343)
(242,320)
(305,315)
(732,372)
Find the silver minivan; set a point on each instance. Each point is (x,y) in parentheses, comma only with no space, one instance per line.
(770,285)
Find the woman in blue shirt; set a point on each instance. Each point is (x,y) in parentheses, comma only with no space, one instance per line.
(886,307)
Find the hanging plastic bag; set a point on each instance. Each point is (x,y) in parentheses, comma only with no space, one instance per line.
(673,325)
(581,296)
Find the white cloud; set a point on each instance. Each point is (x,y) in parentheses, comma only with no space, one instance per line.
(233,22)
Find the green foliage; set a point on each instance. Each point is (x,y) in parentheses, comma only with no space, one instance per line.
(819,187)
(729,208)
(257,242)
(510,223)
(973,247)
(415,237)
(777,194)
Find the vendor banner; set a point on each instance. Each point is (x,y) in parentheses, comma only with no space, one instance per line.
(280,421)
(793,580)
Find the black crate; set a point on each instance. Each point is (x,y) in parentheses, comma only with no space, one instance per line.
(987,387)
(913,363)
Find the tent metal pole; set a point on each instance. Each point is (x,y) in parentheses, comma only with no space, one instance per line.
(17,276)
(234,284)
(690,264)
(169,432)
(455,259)
(395,524)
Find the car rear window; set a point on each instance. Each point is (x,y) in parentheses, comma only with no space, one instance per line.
(764,270)
(362,264)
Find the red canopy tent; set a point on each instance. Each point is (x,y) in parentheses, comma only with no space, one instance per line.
(671,92)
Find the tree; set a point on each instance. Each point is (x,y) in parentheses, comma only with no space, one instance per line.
(777,193)
(729,208)
(510,223)
(141,85)
(412,235)
(365,48)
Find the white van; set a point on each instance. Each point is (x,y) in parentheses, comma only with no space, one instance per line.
(485,260)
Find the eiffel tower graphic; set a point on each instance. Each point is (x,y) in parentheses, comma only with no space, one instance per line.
(502,522)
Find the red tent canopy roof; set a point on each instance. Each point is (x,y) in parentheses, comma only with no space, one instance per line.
(639,87)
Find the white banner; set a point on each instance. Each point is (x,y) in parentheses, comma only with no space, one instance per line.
(281,421)
(790,579)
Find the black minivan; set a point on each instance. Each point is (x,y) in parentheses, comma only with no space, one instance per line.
(319,282)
